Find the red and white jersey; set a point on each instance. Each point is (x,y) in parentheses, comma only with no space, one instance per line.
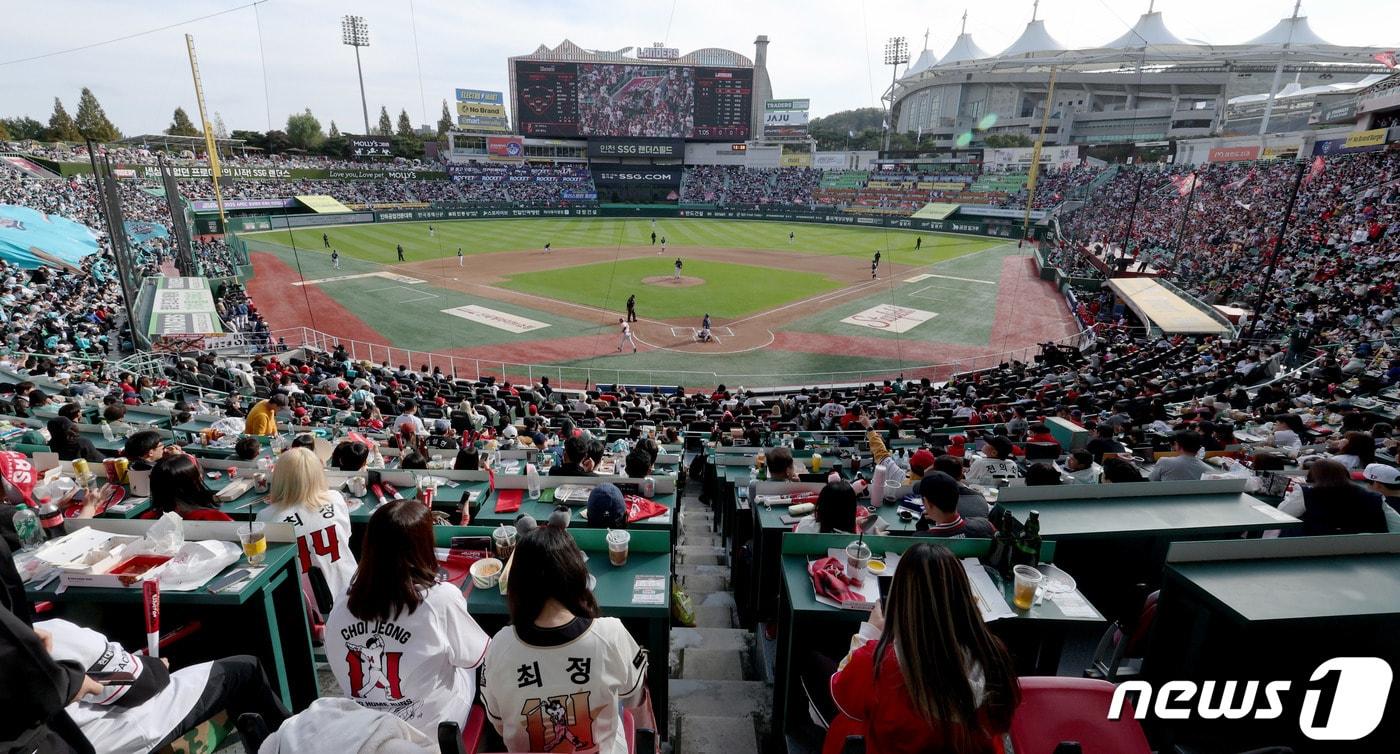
(323,538)
(419,666)
(557,690)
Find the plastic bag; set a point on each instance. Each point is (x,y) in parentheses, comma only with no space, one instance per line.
(1236,470)
(682,608)
(229,425)
(165,537)
(196,563)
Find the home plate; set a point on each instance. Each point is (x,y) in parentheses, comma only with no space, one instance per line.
(890,318)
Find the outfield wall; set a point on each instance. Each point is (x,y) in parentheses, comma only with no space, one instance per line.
(966,227)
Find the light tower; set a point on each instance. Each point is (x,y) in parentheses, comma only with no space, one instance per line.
(896,54)
(354,31)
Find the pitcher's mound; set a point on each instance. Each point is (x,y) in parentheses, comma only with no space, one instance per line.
(685,281)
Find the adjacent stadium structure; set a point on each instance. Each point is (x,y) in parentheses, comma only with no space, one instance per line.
(1149,84)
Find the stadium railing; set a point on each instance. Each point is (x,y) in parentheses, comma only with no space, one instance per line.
(565,376)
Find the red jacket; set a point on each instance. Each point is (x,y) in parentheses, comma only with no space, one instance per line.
(882,711)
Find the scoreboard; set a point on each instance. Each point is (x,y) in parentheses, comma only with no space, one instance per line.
(723,101)
(703,103)
(546,98)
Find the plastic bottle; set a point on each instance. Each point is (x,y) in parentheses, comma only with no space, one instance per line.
(26,523)
(107,433)
(532,481)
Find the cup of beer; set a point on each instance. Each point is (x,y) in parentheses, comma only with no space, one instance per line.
(1028,580)
(619,540)
(253,537)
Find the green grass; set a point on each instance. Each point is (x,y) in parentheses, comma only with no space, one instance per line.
(729,290)
(376,242)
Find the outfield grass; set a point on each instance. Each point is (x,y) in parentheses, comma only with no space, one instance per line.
(376,242)
(729,290)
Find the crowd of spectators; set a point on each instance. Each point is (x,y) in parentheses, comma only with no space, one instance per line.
(732,185)
(636,100)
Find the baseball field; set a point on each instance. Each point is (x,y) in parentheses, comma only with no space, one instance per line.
(788,303)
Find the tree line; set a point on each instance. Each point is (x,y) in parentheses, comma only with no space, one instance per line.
(302,133)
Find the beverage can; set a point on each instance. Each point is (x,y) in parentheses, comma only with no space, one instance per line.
(123,466)
(80,467)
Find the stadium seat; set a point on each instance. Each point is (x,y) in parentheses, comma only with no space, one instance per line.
(1055,710)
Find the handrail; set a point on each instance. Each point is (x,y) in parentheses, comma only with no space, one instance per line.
(562,376)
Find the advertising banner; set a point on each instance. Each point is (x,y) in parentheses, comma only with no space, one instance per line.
(1329,147)
(209,205)
(1019,158)
(1373,138)
(369,147)
(341,174)
(610,147)
(785,118)
(1273,153)
(796,160)
(512,147)
(183,306)
(482,117)
(651,174)
(829,160)
(481,96)
(1233,154)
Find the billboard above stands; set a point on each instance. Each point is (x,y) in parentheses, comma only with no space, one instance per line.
(1019,158)
(785,118)
(482,117)
(209,205)
(830,160)
(369,147)
(651,174)
(510,147)
(622,147)
(481,96)
(1233,154)
(1359,141)
(183,306)
(796,160)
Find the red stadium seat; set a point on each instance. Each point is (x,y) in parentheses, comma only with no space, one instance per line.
(1055,710)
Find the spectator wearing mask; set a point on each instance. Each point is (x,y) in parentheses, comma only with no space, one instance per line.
(396,605)
(1184,466)
(557,647)
(1331,504)
(941,518)
(925,674)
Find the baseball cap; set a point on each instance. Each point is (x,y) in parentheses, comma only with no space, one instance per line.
(921,460)
(606,508)
(1379,472)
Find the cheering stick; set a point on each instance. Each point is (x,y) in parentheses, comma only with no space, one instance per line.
(150,602)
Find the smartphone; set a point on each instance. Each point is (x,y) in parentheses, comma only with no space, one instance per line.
(470,543)
(884,583)
(122,678)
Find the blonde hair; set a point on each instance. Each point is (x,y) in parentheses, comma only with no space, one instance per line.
(298,480)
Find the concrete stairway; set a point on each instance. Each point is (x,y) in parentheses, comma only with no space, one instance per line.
(717,706)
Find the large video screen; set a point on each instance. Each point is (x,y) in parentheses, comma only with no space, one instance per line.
(658,101)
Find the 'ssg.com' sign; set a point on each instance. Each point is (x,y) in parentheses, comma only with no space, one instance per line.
(1358,687)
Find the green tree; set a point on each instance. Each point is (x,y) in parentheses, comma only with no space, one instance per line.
(1006,141)
(92,120)
(407,146)
(334,132)
(276,141)
(23,128)
(304,131)
(61,125)
(4,132)
(405,128)
(250,138)
(386,126)
(335,145)
(180,125)
(445,122)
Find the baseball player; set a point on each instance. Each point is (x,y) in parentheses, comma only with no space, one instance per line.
(459,256)
(626,336)
(400,250)
(335,259)
(677,275)
(632,308)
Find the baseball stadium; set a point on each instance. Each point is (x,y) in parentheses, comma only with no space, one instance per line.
(689,397)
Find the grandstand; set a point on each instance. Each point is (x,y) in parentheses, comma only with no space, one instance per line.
(1133,423)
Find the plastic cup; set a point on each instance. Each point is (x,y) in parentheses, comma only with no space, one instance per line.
(857,560)
(619,540)
(254,541)
(504,538)
(1028,579)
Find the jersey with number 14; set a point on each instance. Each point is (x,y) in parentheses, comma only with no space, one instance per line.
(323,538)
(557,690)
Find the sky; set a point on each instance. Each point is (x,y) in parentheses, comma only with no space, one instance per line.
(260,64)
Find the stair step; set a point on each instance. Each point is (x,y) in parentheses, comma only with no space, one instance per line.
(714,616)
(701,569)
(717,735)
(711,638)
(704,539)
(712,599)
(704,584)
(712,665)
(701,555)
(727,699)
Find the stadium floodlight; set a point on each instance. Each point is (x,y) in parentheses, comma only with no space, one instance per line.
(354,31)
(896,54)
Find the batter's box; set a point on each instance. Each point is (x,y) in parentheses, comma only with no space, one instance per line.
(694,332)
(938,293)
(414,295)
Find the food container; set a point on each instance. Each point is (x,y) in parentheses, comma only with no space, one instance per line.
(486,573)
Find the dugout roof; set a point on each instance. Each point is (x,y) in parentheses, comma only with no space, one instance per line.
(1159,306)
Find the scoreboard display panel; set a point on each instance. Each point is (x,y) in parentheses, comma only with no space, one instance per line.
(633,100)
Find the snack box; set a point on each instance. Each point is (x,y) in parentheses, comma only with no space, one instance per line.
(89,557)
